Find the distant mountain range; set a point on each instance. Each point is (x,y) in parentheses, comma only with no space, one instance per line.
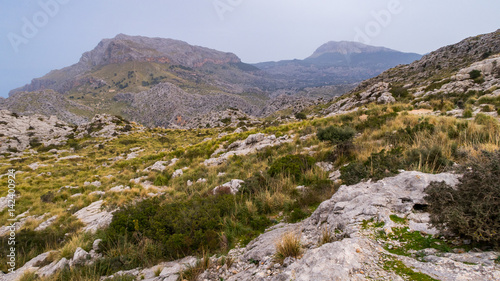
(166,82)
(337,63)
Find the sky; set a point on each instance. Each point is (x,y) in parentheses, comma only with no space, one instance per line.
(37,36)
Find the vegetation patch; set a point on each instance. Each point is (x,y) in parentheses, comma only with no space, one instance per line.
(471,209)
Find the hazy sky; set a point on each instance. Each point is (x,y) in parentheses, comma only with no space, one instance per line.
(40,35)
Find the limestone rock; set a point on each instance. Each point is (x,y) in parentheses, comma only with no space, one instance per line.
(46,223)
(93,217)
(52,268)
(251,144)
(79,258)
(177,173)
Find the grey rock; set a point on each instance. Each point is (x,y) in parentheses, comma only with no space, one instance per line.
(79,258)
(52,268)
(93,217)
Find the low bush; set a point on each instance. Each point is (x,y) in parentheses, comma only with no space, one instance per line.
(300,116)
(472,209)
(427,159)
(336,134)
(292,165)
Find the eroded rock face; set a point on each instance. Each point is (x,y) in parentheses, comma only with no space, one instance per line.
(355,254)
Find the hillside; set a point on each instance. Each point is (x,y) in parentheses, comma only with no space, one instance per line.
(392,181)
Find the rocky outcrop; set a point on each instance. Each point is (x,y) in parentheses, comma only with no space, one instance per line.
(94,217)
(180,109)
(47,103)
(104,126)
(251,144)
(17,133)
(231,187)
(356,254)
(378,93)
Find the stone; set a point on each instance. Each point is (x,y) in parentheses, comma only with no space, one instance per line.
(177,173)
(52,268)
(46,223)
(157,166)
(251,144)
(232,186)
(325,166)
(119,188)
(79,258)
(93,217)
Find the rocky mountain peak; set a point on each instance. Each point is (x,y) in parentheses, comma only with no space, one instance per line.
(123,48)
(347,47)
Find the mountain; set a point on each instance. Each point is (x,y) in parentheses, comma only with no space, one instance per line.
(337,63)
(133,63)
(170,83)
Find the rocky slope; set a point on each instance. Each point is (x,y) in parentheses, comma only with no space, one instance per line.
(440,63)
(451,80)
(358,253)
(178,108)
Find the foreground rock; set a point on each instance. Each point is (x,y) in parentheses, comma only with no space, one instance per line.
(354,253)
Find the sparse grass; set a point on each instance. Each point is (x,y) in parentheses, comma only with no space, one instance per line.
(398,220)
(289,245)
(192,272)
(326,237)
(398,267)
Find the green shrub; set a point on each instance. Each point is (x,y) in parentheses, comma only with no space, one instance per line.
(162,179)
(292,165)
(467,113)
(399,92)
(336,134)
(178,228)
(300,116)
(475,74)
(297,214)
(429,159)
(472,209)
(254,184)
(385,163)
(353,173)
(375,122)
